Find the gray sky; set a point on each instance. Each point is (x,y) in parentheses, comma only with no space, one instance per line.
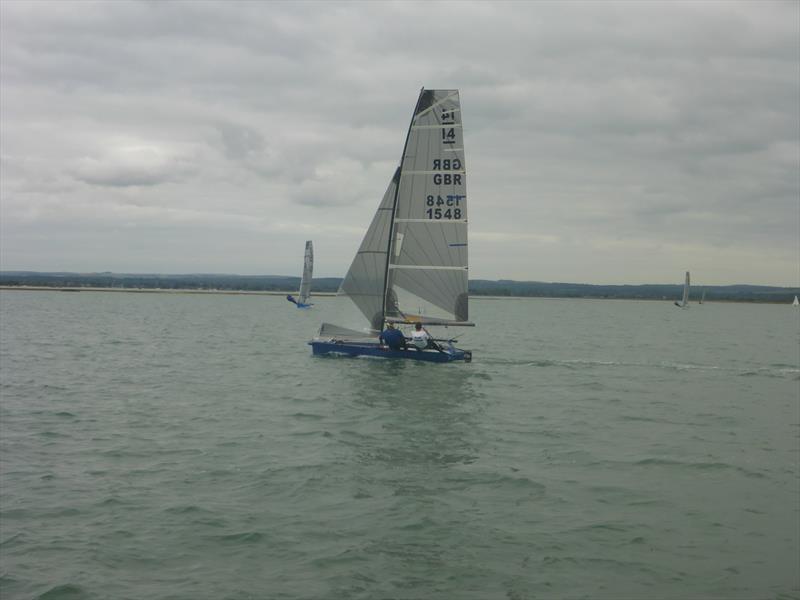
(606,142)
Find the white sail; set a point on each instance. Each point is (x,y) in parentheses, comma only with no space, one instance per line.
(685,299)
(365,281)
(428,269)
(796,302)
(412,263)
(308,270)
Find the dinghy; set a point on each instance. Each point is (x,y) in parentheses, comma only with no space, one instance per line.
(412,265)
(796,302)
(305,283)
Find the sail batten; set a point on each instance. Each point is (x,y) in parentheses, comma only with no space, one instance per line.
(406,173)
(457,125)
(429,267)
(428,221)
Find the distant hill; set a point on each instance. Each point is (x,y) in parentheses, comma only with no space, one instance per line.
(731,293)
(477,287)
(194,281)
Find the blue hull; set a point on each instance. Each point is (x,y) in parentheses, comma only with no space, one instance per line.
(370,349)
(292,299)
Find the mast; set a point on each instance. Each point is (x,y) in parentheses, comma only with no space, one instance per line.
(394,207)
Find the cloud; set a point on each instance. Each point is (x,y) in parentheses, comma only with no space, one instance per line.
(130,165)
(657,125)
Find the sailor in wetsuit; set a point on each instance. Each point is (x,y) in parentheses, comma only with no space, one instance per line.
(393,338)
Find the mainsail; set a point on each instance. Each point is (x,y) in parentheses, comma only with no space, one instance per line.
(412,263)
(427,273)
(308,270)
(411,266)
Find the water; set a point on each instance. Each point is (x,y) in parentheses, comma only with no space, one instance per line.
(173,446)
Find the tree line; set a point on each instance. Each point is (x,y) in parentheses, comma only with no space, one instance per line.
(477,287)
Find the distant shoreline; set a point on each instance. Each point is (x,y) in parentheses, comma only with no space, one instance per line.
(46,288)
(276,285)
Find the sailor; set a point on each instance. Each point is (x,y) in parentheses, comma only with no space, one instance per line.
(291,299)
(420,337)
(393,338)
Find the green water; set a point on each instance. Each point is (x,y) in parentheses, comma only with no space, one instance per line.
(189,446)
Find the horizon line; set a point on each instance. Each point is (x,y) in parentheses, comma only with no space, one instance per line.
(501,280)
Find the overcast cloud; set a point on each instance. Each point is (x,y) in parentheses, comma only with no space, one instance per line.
(606,142)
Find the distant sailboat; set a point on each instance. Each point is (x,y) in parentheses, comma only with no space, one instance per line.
(684,303)
(703,297)
(305,283)
(411,266)
(796,302)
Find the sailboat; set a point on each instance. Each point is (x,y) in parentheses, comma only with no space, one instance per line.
(305,283)
(684,303)
(702,298)
(796,302)
(412,265)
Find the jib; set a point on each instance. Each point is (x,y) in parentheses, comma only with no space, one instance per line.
(446,179)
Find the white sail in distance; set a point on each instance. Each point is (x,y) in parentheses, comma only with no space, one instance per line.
(684,303)
(308,271)
(685,299)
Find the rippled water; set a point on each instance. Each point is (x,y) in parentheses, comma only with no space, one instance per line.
(189,446)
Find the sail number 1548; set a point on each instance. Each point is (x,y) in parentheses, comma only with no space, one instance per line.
(441,208)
